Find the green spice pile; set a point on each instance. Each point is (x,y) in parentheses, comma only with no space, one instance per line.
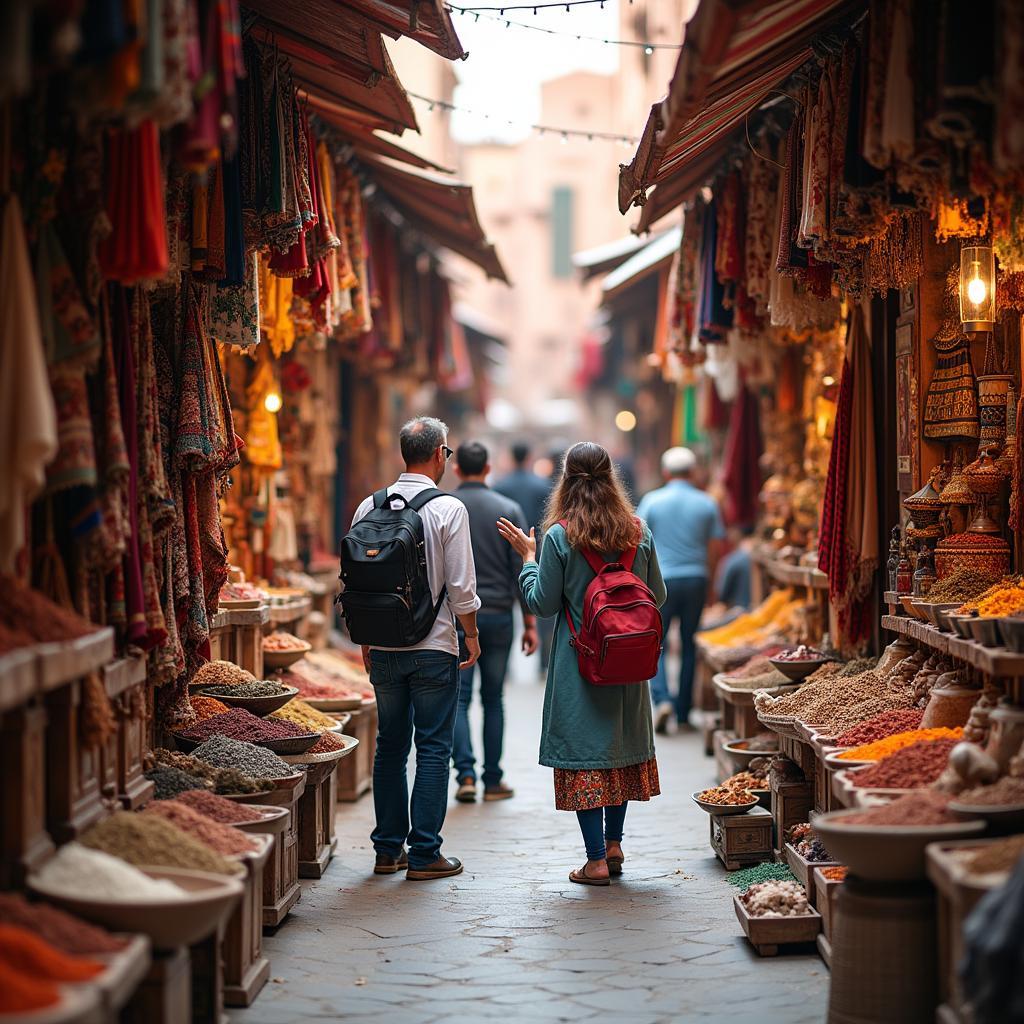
(768,871)
(961,585)
(259,688)
(169,781)
(856,666)
(256,762)
(224,780)
(148,840)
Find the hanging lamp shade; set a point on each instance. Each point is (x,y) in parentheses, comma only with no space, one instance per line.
(977,288)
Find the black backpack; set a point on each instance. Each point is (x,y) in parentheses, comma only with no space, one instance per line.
(386,598)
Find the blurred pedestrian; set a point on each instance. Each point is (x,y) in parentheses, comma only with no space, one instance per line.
(598,739)
(687,528)
(497,584)
(733,579)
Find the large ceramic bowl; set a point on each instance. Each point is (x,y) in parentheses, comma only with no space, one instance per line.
(798,670)
(262,820)
(723,809)
(259,706)
(885,853)
(1003,819)
(207,901)
(962,625)
(282,659)
(741,757)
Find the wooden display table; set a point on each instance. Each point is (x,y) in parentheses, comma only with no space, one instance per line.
(317,841)
(281,874)
(355,776)
(246,969)
(993,661)
(165,995)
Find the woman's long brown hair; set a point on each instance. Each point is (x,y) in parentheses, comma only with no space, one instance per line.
(593,503)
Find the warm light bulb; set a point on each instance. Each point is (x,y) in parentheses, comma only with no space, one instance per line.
(272,403)
(977,291)
(828,381)
(625,420)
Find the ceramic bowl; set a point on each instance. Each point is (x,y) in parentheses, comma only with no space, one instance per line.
(259,706)
(208,899)
(741,757)
(934,610)
(719,810)
(1011,629)
(838,764)
(263,819)
(962,625)
(798,670)
(1005,818)
(985,631)
(269,796)
(886,853)
(333,704)
(910,607)
(283,659)
(291,744)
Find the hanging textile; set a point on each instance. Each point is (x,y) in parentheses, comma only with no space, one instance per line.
(28,420)
(235,309)
(848,544)
(713,319)
(741,474)
(951,405)
(761,186)
(275,313)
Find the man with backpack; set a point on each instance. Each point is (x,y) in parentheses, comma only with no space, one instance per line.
(408,573)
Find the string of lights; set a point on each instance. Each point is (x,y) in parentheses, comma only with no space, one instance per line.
(536,7)
(564,134)
(480,12)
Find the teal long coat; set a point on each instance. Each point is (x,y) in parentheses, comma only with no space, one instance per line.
(586,726)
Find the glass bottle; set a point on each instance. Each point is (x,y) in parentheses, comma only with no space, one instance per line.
(904,573)
(893,565)
(924,574)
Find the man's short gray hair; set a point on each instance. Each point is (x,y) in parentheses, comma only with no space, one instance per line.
(420,438)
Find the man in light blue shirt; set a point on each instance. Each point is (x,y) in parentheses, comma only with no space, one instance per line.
(687,528)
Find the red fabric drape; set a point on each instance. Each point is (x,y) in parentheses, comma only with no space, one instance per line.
(741,474)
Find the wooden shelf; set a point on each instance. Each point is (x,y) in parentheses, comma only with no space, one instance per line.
(241,617)
(792,575)
(993,661)
(291,611)
(123,674)
(19,677)
(67,660)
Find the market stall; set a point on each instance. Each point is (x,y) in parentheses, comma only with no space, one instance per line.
(850,188)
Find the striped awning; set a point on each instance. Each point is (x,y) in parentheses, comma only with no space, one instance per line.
(733,56)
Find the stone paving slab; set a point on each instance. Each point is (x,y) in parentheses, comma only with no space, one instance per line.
(513,940)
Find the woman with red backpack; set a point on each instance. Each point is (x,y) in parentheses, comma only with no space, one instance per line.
(599,575)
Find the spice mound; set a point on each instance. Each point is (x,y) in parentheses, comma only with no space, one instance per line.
(221,673)
(836,874)
(776,899)
(281,641)
(888,723)
(222,839)
(29,617)
(910,768)
(327,744)
(250,760)
(725,796)
(801,653)
(749,779)
(961,585)
(60,929)
(1006,585)
(169,782)
(76,870)
(300,713)
(1001,855)
(239,724)
(207,707)
(766,871)
(217,808)
(1007,792)
(1006,601)
(925,808)
(890,744)
(223,780)
(27,952)
(259,688)
(146,839)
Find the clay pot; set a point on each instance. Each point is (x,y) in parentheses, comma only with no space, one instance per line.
(949,704)
(924,505)
(983,476)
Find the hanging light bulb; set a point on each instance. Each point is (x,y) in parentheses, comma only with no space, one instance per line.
(273,401)
(648,49)
(977,288)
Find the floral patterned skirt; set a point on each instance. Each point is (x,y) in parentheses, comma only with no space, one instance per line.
(586,788)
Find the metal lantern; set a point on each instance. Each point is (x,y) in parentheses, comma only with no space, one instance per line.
(977,288)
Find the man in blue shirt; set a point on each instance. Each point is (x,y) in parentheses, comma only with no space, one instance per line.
(687,528)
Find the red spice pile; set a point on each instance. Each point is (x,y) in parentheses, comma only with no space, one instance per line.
(888,723)
(327,743)
(918,765)
(836,874)
(64,931)
(206,707)
(27,616)
(216,808)
(925,808)
(222,839)
(239,724)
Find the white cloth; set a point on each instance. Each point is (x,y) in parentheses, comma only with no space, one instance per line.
(449,559)
(28,419)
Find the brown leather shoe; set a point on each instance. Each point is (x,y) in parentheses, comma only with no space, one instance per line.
(498,792)
(443,867)
(388,865)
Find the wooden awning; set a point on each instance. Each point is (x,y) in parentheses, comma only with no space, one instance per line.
(735,53)
(427,21)
(441,208)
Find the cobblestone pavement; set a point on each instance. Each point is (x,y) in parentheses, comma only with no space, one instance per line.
(513,939)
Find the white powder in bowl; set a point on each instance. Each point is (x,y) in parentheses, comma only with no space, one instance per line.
(89,874)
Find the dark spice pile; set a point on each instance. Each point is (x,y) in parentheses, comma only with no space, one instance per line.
(927,807)
(239,724)
(888,723)
(813,850)
(224,779)
(918,765)
(220,838)
(216,808)
(169,781)
(259,688)
(256,762)
(148,840)
(65,931)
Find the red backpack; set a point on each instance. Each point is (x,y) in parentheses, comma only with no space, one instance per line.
(619,640)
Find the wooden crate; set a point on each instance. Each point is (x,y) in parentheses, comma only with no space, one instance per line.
(740,840)
(246,969)
(24,841)
(826,890)
(766,934)
(281,874)
(805,871)
(316,819)
(958,893)
(791,805)
(165,995)
(355,776)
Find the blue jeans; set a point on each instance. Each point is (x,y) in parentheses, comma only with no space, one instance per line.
(685,602)
(416,693)
(496,631)
(600,824)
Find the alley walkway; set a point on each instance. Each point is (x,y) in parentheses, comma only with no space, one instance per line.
(513,939)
